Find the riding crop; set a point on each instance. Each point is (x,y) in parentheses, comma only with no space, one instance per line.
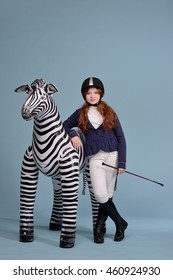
(134,174)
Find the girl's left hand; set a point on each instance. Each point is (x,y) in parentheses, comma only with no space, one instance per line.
(121,170)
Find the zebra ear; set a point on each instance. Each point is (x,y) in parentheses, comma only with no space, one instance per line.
(23,88)
(51,88)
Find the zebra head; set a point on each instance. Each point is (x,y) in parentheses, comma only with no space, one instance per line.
(37,99)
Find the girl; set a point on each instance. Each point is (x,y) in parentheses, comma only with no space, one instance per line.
(104,142)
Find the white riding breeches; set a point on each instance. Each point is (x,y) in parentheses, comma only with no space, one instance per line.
(103,177)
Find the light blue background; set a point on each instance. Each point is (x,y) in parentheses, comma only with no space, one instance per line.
(128,44)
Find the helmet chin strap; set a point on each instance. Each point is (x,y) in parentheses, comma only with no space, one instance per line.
(94,105)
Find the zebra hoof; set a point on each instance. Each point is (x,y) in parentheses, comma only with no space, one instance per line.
(54,226)
(24,237)
(67,242)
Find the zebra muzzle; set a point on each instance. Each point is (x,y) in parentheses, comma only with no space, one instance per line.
(26,113)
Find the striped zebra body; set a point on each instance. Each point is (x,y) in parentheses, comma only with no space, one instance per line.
(52,154)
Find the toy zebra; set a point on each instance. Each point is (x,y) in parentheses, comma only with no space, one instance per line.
(52,154)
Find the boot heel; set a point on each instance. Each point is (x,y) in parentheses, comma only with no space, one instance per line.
(119,235)
(98,237)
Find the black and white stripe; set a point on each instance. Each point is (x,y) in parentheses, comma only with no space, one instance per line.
(51,153)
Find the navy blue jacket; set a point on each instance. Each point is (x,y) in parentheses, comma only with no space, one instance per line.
(99,139)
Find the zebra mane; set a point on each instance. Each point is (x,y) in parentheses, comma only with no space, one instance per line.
(39,83)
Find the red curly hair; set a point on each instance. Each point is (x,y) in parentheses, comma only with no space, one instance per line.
(110,118)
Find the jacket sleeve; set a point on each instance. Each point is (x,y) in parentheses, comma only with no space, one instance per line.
(72,122)
(121,146)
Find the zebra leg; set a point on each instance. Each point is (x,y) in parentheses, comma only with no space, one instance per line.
(94,202)
(94,206)
(56,216)
(28,187)
(69,171)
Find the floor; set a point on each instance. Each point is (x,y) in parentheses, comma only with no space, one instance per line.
(145,240)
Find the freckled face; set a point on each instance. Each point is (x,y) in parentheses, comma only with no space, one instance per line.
(92,96)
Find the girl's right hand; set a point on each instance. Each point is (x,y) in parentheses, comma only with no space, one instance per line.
(121,170)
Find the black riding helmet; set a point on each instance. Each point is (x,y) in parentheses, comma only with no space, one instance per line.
(92,82)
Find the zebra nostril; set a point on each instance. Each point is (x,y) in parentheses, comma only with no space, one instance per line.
(26,112)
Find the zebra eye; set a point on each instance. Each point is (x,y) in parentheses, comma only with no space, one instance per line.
(43,97)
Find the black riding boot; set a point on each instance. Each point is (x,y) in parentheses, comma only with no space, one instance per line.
(120,223)
(100,225)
